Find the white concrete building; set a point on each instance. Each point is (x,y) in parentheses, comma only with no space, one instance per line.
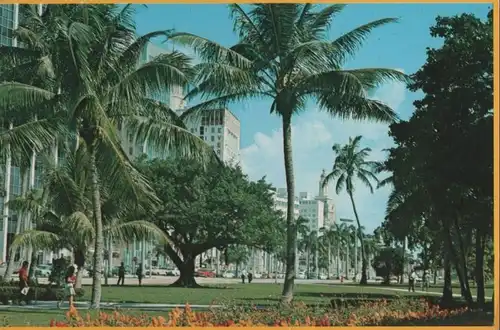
(220,129)
(319,210)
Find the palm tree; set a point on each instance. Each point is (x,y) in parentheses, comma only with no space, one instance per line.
(284,54)
(101,86)
(63,209)
(351,164)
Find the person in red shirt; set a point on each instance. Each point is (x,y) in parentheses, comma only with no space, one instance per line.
(23,279)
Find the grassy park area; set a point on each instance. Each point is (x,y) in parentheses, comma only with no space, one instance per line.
(231,294)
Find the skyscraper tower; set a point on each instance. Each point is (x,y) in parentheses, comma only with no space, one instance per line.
(328,206)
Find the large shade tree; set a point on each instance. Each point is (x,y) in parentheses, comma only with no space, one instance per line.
(284,54)
(350,166)
(210,207)
(100,85)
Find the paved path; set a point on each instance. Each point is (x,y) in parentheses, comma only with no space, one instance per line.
(52,305)
(385,288)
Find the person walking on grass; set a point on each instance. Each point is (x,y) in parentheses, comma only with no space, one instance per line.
(23,282)
(121,274)
(139,274)
(411,281)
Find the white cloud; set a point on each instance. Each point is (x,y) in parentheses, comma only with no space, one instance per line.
(313,135)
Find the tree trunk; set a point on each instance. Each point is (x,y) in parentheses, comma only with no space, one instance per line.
(99,237)
(12,253)
(480,268)
(329,260)
(6,198)
(186,268)
(364,279)
(447,297)
(461,271)
(291,239)
(79,257)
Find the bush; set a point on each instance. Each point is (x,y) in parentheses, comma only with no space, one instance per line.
(41,293)
(401,312)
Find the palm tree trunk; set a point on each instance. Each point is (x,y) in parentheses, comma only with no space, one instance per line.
(6,198)
(28,219)
(329,259)
(364,279)
(12,253)
(79,257)
(99,237)
(291,241)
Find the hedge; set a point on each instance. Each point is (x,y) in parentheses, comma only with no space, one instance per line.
(39,293)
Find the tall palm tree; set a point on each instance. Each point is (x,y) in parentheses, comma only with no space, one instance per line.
(101,86)
(284,54)
(62,211)
(351,165)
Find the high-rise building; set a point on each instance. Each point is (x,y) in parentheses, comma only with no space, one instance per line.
(9,20)
(220,129)
(320,210)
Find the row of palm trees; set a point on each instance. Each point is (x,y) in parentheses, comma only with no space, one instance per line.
(77,77)
(333,251)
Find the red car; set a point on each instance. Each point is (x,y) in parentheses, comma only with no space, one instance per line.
(205,273)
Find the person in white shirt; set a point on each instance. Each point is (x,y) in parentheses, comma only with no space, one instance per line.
(412,279)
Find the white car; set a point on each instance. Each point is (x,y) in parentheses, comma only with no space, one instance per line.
(173,272)
(228,275)
(301,275)
(323,277)
(43,270)
(257,275)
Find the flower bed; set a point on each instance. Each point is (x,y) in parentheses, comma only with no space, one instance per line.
(401,312)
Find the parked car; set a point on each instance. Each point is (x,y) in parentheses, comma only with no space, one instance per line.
(43,270)
(323,276)
(301,275)
(257,275)
(202,272)
(173,272)
(228,275)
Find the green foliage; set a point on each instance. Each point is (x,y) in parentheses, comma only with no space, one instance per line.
(442,169)
(58,272)
(213,206)
(39,293)
(389,261)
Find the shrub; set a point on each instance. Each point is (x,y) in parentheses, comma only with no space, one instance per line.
(399,312)
(41,293)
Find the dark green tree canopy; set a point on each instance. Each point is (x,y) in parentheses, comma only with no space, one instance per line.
(212,207)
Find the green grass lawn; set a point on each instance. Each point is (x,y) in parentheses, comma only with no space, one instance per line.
(240,293)
(221,294)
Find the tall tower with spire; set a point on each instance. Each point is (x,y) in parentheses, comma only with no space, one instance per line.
(328,206)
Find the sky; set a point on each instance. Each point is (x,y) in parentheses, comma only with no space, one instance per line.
(399,46)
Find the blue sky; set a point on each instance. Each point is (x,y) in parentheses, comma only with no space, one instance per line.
(399,46)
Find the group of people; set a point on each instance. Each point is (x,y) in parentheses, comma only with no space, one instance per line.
(69,283)
(412,278)
(69,280)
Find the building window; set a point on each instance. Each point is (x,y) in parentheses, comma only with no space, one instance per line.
(213,129)
(202,130)
(218,144)
(130,150)
(219,129)
(219,137)
(212,138)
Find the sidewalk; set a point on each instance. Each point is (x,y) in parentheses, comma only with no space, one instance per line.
(416,291)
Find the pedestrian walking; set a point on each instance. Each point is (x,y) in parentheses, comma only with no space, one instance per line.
(242,278)
(250,277)
(23,282)
(121,274)
(411,281)
(69,287)
(139,274)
